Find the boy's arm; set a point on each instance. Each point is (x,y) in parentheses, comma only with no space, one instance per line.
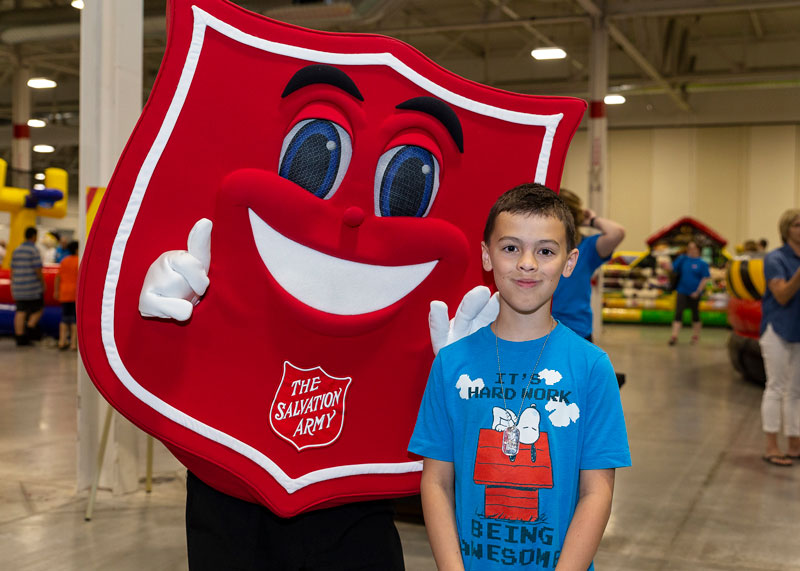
(57,285)
(589,521)
(438,507)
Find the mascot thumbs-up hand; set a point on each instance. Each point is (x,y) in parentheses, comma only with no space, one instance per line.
(477,309)
(177,279)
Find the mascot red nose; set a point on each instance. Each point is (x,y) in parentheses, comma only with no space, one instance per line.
(256,287)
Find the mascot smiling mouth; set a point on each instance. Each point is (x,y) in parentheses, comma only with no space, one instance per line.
(330,284)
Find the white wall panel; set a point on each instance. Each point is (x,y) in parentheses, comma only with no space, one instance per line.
(772,186)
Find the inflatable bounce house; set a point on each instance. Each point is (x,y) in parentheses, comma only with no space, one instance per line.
(256,285)
(746,285)
(24,206)
(636,285)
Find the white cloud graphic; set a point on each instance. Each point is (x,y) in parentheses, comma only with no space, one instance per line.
(550,376)
(561,414)
(464,385)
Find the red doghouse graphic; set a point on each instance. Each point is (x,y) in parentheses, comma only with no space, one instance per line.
(256,286)
(512,482)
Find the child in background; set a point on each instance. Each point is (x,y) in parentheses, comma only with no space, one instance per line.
(542,402)
(66,285)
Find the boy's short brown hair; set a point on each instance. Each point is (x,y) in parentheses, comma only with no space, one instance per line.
(532,199)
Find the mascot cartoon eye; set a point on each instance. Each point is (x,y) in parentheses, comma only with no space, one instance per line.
(406,181)
(315,155)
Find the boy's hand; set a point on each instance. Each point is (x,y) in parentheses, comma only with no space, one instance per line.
(477,309)
(176,280)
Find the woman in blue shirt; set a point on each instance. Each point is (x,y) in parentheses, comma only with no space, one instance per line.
(780,343)
(572,298)
(694,274)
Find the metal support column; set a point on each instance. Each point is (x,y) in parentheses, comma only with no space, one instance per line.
(20,170)
(110,104)
(598,140)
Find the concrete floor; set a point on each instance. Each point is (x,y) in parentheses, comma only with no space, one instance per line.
(698,497)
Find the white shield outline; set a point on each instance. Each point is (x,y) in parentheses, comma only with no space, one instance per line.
(278,390)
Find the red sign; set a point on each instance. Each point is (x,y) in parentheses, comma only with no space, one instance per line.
(308,409)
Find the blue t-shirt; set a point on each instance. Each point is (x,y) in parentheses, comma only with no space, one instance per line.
(25,282)
(785,319)
(573,296)
(692,271)
(516,513)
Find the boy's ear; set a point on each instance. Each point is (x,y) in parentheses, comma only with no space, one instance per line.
(572,259)
(485,259)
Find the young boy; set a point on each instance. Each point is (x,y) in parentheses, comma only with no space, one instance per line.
(521,424)
(66,286)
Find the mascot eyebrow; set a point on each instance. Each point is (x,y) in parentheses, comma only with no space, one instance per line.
(441,111)
(312,74)
(327,74)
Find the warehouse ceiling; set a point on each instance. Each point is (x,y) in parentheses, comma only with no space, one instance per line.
(678,62)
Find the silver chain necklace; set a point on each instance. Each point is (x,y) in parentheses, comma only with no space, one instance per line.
(510,445)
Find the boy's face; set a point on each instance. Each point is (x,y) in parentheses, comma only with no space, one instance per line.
(528,255)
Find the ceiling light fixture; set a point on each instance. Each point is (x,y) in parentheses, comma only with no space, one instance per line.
(77,4)
(43,148)
(548,53)
(36,123)
(614,100)
(41,83)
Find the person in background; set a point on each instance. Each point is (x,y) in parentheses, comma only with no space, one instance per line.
(47,247)
(762,245)
(572,298)
(750,246)
(27,289)
(66,286)
(780,343)
(694,275)
(62,250)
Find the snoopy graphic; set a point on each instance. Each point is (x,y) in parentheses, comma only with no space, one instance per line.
(513,482)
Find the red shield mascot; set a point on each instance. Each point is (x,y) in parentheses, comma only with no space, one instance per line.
(329,186)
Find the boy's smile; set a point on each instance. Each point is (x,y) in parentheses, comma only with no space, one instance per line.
(527,255)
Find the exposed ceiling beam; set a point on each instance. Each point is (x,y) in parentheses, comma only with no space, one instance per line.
(482,26)
(528,27)
(778,78)
(52,66)
(687,7)
(633,52)
(454,36)
(646,66)
(757,28)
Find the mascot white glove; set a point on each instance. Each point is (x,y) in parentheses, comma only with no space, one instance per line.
(178,278)
(477,309)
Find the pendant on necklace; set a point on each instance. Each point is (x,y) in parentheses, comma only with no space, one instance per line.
(511,441)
